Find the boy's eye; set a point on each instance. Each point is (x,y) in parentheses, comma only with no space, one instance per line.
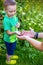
(14,10)
(10,11)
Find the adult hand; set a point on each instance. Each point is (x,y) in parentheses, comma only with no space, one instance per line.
(32,32)
(22,37)
(25,34)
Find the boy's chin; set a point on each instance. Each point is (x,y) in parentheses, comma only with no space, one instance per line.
(10,15)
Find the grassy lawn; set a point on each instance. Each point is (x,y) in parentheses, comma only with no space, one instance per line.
(31,57)
(20,61)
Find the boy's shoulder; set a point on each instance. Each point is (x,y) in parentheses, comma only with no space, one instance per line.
(6,18)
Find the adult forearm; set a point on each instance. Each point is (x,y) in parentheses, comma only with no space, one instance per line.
(35,43)
(40,35)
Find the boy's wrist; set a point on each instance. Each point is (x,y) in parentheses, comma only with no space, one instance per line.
(14,32)
(18,32)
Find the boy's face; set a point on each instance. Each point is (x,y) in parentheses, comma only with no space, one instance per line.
(11,10)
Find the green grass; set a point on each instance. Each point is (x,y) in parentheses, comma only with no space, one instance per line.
(20,61)
(29,56)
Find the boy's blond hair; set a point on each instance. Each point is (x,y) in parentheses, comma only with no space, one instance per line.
(9,2)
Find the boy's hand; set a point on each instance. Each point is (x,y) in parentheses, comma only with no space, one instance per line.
(23,37)
(18,25)
(18,32)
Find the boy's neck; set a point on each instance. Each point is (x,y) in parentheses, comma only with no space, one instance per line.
(8,16)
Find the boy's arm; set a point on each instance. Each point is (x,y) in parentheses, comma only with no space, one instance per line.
(18,25)
(11,33)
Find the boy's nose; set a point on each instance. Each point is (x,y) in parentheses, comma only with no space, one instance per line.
(12,14)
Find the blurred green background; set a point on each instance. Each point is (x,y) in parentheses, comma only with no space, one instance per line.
(30,14)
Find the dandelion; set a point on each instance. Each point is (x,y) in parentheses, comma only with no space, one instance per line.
(28,19)
(24,20)
(23,13)
(29,23)
(32,21)
(20,9)
(41,27)
(30,12)
(39,24)
(37,17)
(40,14)
(31,18)
(34,11)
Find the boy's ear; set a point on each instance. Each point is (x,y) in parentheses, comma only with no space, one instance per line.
(5,8)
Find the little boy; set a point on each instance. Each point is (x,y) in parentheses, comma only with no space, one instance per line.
(11,26)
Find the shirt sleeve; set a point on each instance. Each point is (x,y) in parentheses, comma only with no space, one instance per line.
(16,20)
(6,25)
